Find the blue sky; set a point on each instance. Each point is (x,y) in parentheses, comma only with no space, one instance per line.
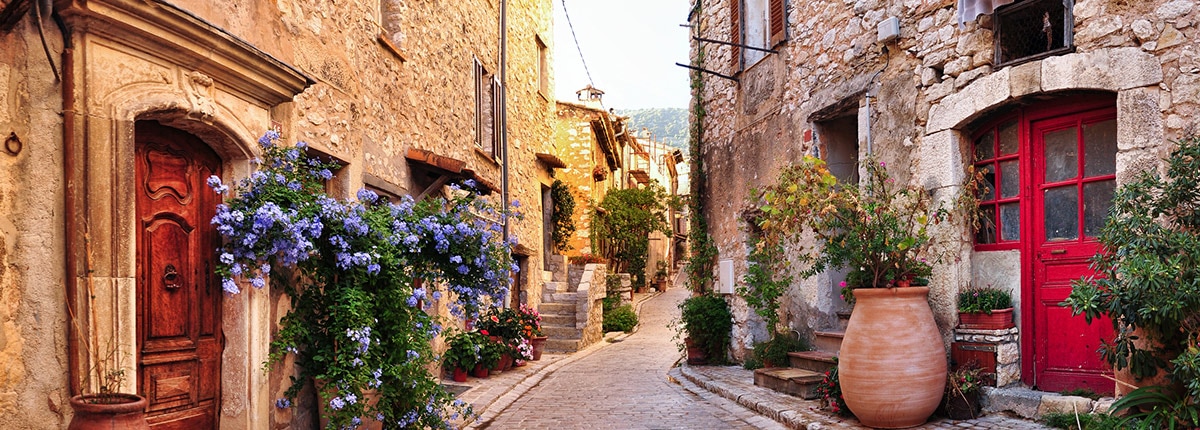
(631,47)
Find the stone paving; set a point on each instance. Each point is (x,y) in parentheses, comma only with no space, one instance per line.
(624,385)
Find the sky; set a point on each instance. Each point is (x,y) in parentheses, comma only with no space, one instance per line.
(630,47)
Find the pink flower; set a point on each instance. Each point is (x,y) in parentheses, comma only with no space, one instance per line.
(842,284)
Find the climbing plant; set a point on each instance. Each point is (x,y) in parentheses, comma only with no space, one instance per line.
(563,215)
(761,287)
(703,252)
(621,231)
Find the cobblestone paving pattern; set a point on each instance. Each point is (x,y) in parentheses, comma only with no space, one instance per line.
(625,386)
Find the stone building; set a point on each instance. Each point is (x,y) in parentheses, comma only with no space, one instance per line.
(590,141)
(1060,100)
(407,95)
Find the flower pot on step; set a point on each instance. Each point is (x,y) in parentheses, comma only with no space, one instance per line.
(892,364)
(998,320)
(108,412)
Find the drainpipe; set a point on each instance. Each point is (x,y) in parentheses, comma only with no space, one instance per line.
(504,199)
(69,209)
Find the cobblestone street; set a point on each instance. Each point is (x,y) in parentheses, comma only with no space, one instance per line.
(625,386)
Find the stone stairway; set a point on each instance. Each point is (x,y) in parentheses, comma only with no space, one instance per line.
(564,308)
(806,368)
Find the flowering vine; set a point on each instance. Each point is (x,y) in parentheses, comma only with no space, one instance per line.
(362,277)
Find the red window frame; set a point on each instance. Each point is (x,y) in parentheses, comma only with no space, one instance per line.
(993,165)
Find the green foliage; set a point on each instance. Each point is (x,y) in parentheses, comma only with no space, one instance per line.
(966,380)
(620,319)
(830,390)
(668,124)
(1081,392)
(610,302)
(775,351)
(563,217)
(1156,407)
(707,320)
(463,350)
(878,230)
(622,231)
(1072,421)
(983,299)
(703,253)
(505,323)
(490,353)
(761,287)
(1148,275)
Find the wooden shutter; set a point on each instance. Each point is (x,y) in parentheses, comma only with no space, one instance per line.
(735,33)
(478,72)
(778,20)
(497,118)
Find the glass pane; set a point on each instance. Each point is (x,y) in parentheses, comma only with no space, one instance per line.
(1008,139)
(1097,200)
(1062,213)
(987,190)
(985,147)
(1010,221)
(1010,178)
(1061,158)
(1100,148)
(987,225)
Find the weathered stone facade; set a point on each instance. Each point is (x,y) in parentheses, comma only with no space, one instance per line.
(364,82)
(585,140)
(916,103)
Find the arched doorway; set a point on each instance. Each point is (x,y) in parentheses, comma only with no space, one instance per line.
(179,319)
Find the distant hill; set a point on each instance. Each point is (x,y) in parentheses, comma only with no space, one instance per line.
(669,125)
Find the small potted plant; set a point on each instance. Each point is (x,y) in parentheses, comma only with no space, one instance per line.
(705,322)
(489,357)
(985,308)
(962,392)
(532,330)
(108,407)
(462,353)
(660,276)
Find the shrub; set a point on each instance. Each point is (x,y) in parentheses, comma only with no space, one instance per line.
(775,351)
(830,390)
(1071,421)
(707,320)
(620,319)
(563,217)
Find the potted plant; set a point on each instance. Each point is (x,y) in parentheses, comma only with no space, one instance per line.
(531,322)
(462,353)
(490,354)
(705,322)
(879,231)
(108,407)
(985,308)
(660,276)
(962,392)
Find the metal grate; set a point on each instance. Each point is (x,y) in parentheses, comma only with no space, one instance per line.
(1033,29)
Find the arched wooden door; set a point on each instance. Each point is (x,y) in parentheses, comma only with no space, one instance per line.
(178,299)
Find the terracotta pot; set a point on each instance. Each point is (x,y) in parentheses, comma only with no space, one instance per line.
(960,406)
(481,371)
(539,345)
(108,412)
(695,354)
(505,363)
(1127,382)
(460,374)
(1000,319)
(892,364)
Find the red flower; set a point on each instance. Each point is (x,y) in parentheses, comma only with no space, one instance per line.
(484,332)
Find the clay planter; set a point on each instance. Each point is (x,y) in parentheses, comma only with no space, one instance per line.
(108,412)
(481,371)
(539,344)
(695,354)
(892,364)
(505,363)
(962,406)
(460,375)
(1000,319)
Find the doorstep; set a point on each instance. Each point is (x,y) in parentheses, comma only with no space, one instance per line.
(737,384)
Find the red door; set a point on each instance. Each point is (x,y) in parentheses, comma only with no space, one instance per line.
(178,300)
(1074,167)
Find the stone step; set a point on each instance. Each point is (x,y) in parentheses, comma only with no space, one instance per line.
(830,340)
(562,332)
(797,382)
(557,308)
(816,361)
(564,298)
(555,287)
(558,319)
(547,276)
(561,345)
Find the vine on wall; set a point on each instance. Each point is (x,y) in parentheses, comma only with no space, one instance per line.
(703,251)
(563,215)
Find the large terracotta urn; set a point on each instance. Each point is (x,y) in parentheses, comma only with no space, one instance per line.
(108,412)
(892,362)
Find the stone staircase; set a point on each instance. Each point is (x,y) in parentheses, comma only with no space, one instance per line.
(806,368)
(569,306)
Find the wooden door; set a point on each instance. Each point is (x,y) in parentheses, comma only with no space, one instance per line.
(1074,179)
(178,298)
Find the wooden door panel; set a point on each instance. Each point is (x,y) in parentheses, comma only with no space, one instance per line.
(179,301)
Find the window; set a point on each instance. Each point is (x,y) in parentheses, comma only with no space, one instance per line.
(1032,29)
(996,155)
(543,71)
(757,23)
(489,101)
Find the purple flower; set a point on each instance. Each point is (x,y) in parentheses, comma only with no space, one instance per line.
(229,286)
(337,403)
(283,403)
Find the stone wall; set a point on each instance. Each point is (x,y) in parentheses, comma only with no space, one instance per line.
(576,145)
(929,88)
(589,308)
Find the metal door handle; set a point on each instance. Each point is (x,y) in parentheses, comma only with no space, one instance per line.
(1058,252)
(170,276)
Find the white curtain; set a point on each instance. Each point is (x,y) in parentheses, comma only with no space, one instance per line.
(968,10)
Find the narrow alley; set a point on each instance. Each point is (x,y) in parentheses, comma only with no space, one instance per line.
(625,386)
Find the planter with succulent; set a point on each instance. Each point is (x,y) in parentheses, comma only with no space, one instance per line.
(962,392)
(362,276)
(985,308)
(879,232)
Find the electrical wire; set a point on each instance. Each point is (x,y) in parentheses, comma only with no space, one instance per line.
(577,47)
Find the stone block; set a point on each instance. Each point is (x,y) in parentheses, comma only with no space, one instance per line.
(1140,123)
(1110,69)
(1174,9)
(969,76)
(1170,38)
(1008,353)
(1143,30)
(1008,374)
(1064,404)
(1020,401)
(956,66)
(1025,79)
(940,160)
